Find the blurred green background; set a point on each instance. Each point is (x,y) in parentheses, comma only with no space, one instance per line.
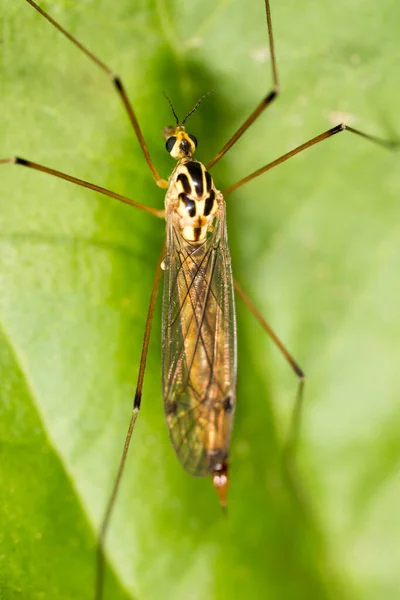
(315,243)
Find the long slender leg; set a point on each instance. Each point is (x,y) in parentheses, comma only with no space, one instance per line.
(265,102)
(27,163)
(116,81)
(136,407)
(296,415)
(319,138)
(289,471)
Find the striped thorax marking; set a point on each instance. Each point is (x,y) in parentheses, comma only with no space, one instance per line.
(193,197)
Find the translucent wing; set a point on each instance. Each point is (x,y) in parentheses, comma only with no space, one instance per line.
(199,346)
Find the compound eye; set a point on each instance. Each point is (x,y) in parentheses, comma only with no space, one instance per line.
(194,140)
(170,143)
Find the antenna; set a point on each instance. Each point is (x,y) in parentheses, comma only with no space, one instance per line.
(199,101)
(172,108)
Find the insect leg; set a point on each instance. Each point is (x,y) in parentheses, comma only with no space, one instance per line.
(119,87)
(289,471)
(295,421)
(265,102)
(391,145)
(32,165)
(136,407)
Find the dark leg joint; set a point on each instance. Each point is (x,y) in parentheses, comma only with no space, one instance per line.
(340,127)
(138,400)
(271,96)
(117,82)
(15,160)
(20,161)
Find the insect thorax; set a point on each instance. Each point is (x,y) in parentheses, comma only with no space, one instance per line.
(193,198)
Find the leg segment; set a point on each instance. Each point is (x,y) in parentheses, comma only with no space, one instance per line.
(296,415)
(319,138)
(117,83)
(27,163)
(265,102)
(99,584)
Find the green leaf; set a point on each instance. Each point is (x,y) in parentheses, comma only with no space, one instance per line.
(315,242)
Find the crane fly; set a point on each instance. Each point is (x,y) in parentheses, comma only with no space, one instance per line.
(198,316)
(199,327)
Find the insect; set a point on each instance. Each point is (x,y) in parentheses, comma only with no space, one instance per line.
(208,246)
